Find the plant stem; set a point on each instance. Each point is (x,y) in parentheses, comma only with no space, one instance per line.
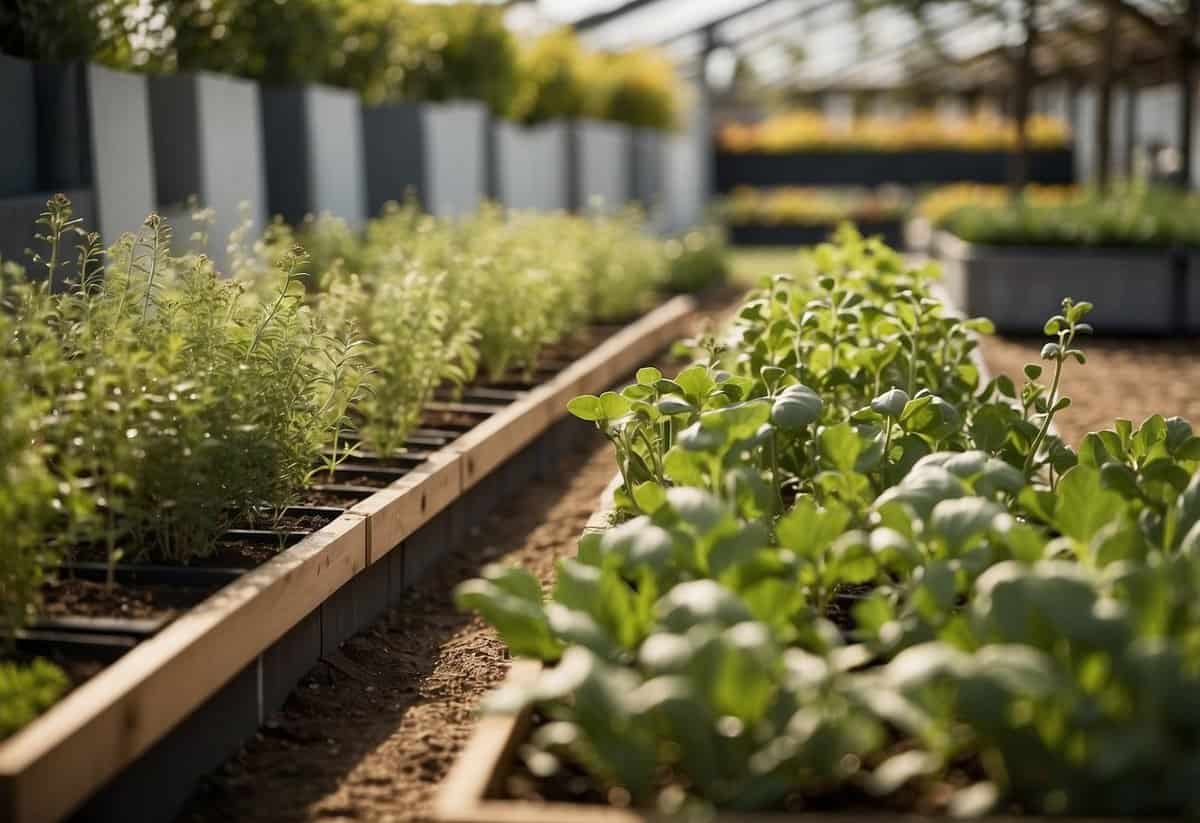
(1041,435)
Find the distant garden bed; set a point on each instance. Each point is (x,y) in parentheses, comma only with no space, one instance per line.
(1134,248)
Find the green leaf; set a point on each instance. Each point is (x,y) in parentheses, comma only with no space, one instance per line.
(649,496)
(613,405)
(891,403)
(796,407)
(522,625)
(514,580)
(700,602)
(960,520)
(586,407)
(1084,504)
(648,375)
(674,404)
(808,530)
(695,382)
(840,445)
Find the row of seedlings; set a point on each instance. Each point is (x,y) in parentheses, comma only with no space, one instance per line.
(844,572)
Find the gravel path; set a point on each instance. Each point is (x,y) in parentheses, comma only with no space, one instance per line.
(1123,378)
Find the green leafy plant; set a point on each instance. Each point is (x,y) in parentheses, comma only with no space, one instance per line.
(26,691)
(844,569)
(180,401)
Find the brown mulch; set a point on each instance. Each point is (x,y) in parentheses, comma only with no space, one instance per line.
(1130,378)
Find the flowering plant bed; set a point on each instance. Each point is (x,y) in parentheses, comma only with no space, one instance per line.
(845,572)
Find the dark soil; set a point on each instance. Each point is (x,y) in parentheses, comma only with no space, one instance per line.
(68,597)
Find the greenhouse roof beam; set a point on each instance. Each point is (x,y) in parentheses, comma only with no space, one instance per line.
(600,18)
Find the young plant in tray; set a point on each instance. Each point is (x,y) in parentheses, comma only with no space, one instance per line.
(845,571)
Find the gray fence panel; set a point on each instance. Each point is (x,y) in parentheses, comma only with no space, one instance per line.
(334,120)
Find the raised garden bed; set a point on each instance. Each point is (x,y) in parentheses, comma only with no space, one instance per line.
(1136,291)
(791,234)
(867,168)
(130,742)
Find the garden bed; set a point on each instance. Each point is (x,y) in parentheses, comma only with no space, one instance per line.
(1136,290)
(791,234)
(151,718)
(871,168)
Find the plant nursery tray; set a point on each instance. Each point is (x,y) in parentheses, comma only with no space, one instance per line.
(132,741)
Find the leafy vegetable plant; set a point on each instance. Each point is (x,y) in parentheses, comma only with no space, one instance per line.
(845,568)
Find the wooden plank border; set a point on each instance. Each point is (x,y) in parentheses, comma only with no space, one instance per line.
(56,763)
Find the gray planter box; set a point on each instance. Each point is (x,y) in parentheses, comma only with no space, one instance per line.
(1135,291)
(77,129)
(646,167)
(685,186)
(207,144)
(918,235)
(437,151)
(600,156)
(531,166)
(312,140)
(18,138)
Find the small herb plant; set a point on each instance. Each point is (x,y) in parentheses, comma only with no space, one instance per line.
(845,569)
(26,691)
(178,401)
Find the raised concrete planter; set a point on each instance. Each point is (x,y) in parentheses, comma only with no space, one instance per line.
(872,168)
(530,170)
(207,144)
(600,155)
(1135,291)
(19,138)
(78,129)
(646,167)
(437,151)
(685,184)
(312,140)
